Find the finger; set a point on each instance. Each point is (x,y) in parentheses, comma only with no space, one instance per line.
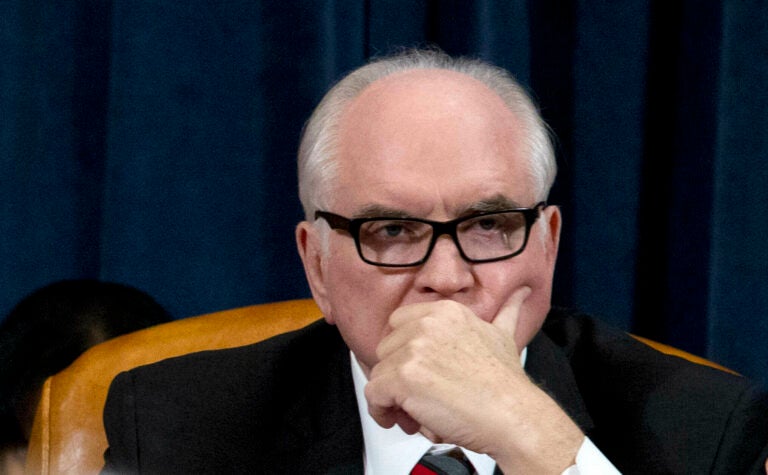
(407,423)
(389,415)
(384,408)
(509,314)
(386,417)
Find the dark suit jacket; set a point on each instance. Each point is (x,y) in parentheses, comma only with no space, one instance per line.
(288,405)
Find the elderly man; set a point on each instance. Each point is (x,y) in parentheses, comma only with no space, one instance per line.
(430,249)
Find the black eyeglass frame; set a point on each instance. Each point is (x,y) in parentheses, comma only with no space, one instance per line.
(439,228)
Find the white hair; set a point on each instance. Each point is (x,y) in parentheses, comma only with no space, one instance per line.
(316,158)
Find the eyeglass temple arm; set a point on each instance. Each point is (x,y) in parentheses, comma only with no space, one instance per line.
(334,220)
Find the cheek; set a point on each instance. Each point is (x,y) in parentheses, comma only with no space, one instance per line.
(361,298)
(538,264)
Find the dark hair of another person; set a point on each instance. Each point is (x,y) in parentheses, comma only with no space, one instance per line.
(49,329)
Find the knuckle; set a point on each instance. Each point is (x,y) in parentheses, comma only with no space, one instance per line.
(410,372)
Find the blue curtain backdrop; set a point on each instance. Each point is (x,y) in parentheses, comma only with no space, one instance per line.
(152,143)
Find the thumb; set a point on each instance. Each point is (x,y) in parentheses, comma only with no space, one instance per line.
(506,319)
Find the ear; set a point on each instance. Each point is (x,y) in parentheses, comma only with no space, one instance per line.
(553,218)
(311,253)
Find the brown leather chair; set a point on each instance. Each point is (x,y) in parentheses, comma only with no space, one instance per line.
(68,433)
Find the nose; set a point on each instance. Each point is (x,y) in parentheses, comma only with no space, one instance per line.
(445,272)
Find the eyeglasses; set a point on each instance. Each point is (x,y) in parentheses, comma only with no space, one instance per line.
(406,242)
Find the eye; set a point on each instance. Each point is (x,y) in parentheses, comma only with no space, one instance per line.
(482,223)
(504,222)
(392,230)
(384,229)
(487,223)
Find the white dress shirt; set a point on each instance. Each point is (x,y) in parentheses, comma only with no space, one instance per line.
(393,452)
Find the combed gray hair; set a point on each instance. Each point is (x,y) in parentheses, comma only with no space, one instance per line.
(316,164)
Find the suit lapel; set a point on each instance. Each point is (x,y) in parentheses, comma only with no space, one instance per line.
(549,367)
(326,436)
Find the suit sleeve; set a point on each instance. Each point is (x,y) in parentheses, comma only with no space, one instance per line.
(121,456)
(745,440)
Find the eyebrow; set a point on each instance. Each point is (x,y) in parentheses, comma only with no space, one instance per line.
(489,205)
(379,211)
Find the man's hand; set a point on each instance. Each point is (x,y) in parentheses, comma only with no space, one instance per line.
(457,379)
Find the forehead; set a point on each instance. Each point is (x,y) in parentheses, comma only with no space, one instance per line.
(429,142)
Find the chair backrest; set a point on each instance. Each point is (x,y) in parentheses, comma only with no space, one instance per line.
(68,433)
(671,350)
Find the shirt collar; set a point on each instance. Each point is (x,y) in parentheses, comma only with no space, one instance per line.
(392,451)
